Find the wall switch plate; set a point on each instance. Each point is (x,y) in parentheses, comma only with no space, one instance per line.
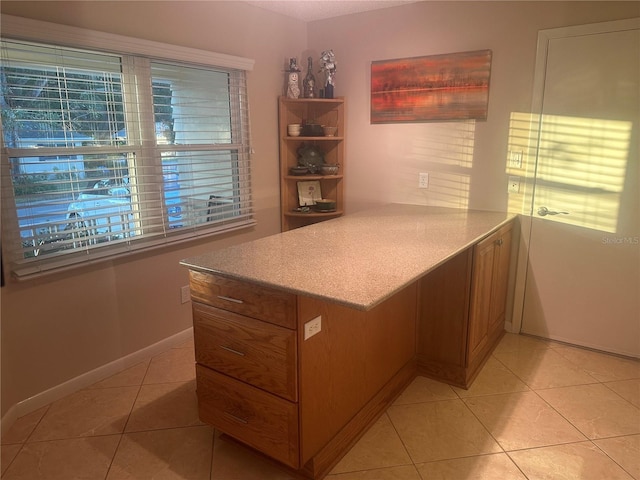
(312,327)
(514,185)
(423,180)
(515,159)
(185,294)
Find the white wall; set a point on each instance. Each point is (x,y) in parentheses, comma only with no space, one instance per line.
(466,160)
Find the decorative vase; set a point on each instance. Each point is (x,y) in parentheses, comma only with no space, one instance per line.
(309,82)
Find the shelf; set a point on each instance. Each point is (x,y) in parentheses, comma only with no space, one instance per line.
(313,214)
(336,100)
(302,178)
(322,111)
(310,139)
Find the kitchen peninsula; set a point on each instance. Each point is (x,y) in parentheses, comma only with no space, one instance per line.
(304,338)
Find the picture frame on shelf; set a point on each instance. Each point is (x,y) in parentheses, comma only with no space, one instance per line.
(309,192)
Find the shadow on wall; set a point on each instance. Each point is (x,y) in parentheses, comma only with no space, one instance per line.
(445,152)
(582,164)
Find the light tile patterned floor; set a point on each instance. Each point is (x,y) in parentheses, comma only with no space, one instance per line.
(538,410)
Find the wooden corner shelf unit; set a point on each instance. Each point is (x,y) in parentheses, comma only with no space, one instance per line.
(323,111)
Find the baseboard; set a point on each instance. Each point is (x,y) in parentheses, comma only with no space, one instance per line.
(52,394)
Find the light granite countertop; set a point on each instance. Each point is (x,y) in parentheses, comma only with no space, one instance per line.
(357,260)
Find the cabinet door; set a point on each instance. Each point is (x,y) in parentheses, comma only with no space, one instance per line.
(483,259)
(491,260)
(500,281)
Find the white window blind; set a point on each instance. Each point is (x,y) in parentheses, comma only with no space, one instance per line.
(105,154)
(201,137)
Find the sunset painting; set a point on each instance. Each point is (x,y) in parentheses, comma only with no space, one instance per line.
(434,88)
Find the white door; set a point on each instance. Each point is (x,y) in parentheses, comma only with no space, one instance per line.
(583,276)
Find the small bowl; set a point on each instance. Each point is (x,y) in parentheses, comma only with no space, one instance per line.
(329,169)
(294,129)
(325,204)
(298,170)
(329,131)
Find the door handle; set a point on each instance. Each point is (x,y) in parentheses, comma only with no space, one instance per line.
(543,211)
(232,350)
(229,299)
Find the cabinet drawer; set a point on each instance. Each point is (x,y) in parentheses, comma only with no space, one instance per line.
(262,421)
(250,350)
(248,299)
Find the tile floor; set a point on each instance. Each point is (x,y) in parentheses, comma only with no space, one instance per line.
(538,410)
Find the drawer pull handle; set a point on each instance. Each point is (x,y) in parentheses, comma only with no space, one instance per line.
(499,242)
(237,419)
(229,299)
(229,349)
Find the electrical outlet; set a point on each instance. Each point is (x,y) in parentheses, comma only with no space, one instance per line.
(312,327)
(514,185)
(423,180)
(185,294)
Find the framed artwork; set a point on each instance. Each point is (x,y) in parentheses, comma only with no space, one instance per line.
(434,88)
(309,192)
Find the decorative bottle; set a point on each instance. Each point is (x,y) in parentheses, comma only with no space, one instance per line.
(309,82)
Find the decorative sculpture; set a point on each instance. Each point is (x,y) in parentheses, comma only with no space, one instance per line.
(293,88)
(328,67)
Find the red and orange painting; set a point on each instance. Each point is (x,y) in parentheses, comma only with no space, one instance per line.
(429,89)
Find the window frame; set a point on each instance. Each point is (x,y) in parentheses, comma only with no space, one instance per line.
(133,51)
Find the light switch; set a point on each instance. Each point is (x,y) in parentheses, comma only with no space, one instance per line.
(515,159)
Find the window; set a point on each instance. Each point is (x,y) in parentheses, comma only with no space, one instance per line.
(105,154)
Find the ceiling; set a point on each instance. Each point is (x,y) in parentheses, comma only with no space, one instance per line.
(310,10)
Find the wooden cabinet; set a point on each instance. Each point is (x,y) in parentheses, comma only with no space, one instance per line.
(246,363)
(304,400)
(301,401)
(461,310)
(323,111)
(351,372)
(491,260)
(443,320)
